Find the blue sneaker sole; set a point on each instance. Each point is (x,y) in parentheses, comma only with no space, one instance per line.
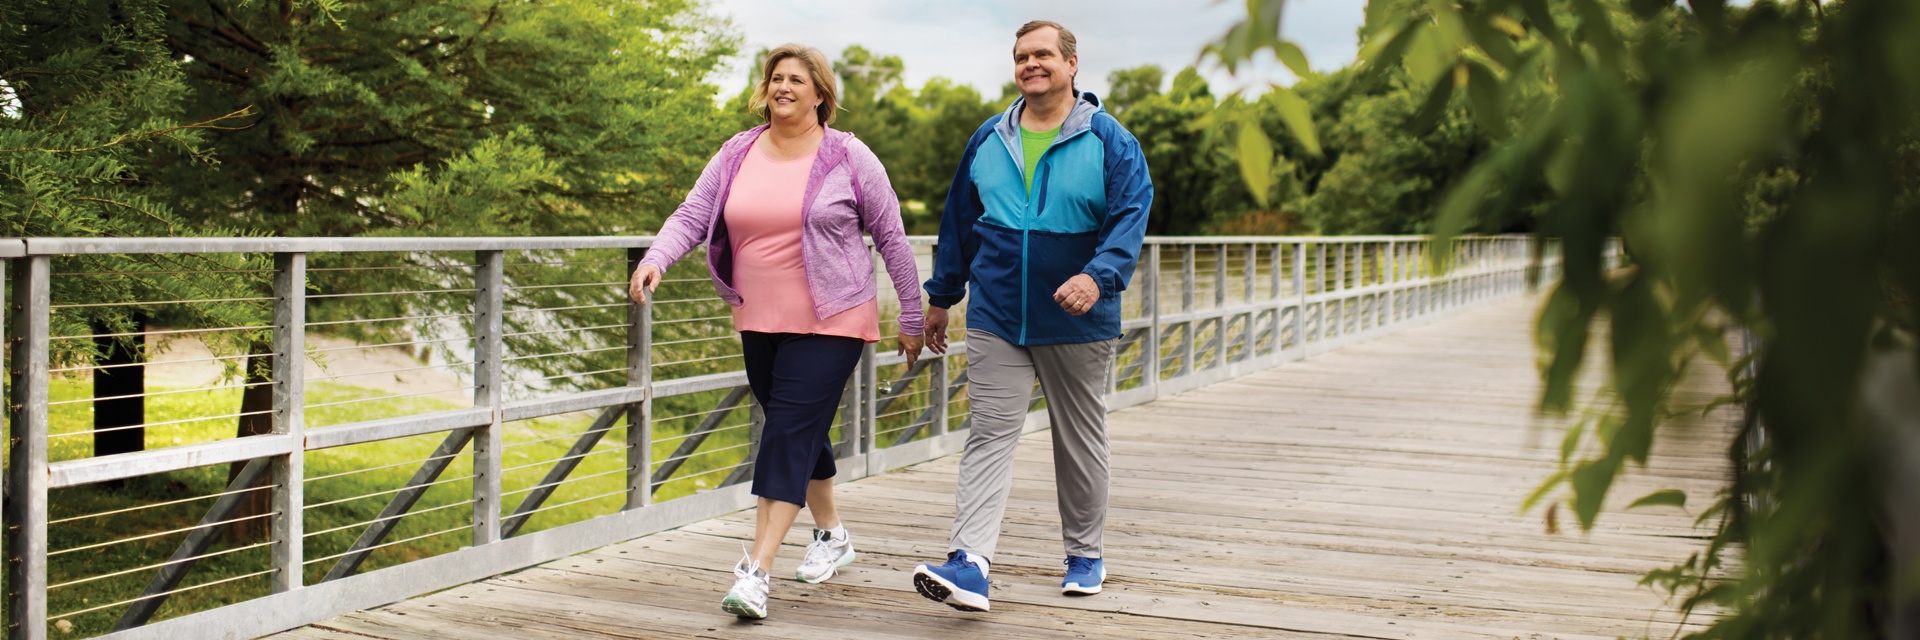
(939,590)
(1076,589)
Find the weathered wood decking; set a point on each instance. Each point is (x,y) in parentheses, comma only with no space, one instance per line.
(1371,492)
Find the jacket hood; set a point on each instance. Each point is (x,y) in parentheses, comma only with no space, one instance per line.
(1078,121)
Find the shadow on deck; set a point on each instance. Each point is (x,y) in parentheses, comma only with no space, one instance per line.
(1370,492)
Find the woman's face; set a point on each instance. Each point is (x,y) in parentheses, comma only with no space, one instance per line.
(791,96)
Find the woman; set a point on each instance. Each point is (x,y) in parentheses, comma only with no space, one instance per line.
(781,209)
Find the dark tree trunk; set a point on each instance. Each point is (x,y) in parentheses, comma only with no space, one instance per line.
(121,375)
(256,405)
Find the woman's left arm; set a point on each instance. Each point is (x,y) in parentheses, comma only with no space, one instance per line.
(880,214)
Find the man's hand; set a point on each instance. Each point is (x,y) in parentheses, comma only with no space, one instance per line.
(910,347)
(645,280)
(1078,294)
(936,329)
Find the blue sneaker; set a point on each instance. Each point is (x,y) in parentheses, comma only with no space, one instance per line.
(959,583)
(1084,576)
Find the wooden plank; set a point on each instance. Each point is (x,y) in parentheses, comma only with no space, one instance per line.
(1370,492)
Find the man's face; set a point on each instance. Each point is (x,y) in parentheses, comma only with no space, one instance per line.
(1039,68)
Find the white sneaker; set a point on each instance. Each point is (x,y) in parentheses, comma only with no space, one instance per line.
(748,597)
(825,556)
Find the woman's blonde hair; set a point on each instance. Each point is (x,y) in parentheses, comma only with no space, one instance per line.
(818,68)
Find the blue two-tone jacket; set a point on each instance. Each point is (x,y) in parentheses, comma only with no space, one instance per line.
(1087,213)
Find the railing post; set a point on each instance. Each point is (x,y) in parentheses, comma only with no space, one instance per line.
(937,380)
(1150,373)
(289,417)
(1273,297)
(26,517)
(1339,289)
(1248,271)
(870,384)
(1300,296)
(1393,282)
(640,414)
(1320,287)
(1220,305)
(1186,307)
(489,351)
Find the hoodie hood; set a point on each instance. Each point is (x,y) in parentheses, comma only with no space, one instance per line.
(1078,121)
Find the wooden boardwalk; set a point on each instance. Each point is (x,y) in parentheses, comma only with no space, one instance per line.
(1371,492)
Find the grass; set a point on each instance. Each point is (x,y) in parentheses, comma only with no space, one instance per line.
(145,520)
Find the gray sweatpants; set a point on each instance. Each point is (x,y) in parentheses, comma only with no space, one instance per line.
(1000,386)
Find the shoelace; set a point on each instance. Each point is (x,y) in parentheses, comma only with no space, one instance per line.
(1077,563)
(820,551)
(744,572)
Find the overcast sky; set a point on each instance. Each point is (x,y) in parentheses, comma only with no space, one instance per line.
(971,41)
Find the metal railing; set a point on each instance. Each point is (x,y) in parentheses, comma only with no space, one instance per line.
(565,417)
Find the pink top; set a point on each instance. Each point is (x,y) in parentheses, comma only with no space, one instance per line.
(763,224)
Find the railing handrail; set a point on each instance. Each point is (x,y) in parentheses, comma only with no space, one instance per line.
(19,247)
(1386,286)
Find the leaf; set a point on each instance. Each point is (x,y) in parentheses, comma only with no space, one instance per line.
(1489,99)
(1298,115)
(1591,479)
(1599,32)
(1542,19)
(1642,362)
(1571,443)
(1541,491)
(1255,153)
(1664,498)
(1427,57)
(1563,329)
(1436,105)
(1390,50)
(1494,40)
(1295,59)
(1713,342)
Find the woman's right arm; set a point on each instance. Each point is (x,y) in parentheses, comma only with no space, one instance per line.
(682,231)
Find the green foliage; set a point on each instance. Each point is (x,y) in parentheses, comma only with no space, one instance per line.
(1758,163)
(84,103)
(1127,87)
(1189,150)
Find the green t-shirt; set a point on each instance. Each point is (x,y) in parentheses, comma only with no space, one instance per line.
(1034,144)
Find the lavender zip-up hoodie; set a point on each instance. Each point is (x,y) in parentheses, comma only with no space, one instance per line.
(847,193)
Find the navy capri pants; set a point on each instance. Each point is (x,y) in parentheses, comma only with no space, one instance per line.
(797,378)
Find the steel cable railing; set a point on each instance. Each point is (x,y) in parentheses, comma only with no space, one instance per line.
(372,419)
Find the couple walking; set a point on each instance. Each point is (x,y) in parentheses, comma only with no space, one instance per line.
(1043,224)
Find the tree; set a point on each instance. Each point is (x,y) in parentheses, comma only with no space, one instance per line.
(1762,165)
(1194,178)
(83,103)
(1129,86)
(457,117)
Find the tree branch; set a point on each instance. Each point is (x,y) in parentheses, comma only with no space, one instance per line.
(148,135)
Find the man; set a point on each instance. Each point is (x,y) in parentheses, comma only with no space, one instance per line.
(1043,224)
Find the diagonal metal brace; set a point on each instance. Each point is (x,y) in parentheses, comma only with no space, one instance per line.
(402,502)
(196,544)
(926,417)
(899,386)
(699,435)
(561,470)
(1132,339)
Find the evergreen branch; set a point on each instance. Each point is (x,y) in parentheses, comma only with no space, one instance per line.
(256,44)
(142,136)
(147,213)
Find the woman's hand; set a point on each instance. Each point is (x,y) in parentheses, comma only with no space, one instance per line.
(910,344)
(936,334)
(645,280)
